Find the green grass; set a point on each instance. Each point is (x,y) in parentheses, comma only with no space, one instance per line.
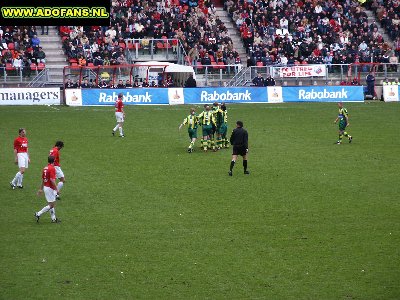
(143,219)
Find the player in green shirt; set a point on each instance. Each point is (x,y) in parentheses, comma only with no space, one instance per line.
(207,120)
(219,119)
(343,119)
(192,121)
(224,127)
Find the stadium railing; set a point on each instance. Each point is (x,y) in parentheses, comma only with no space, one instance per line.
(154,49)
(206,75)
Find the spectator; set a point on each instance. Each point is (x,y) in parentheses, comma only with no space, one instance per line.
(120,84)
(190,82)
(370,79)
(17,63)
(259,80)
(39,56)
(269,81)
(103,84)
(69,84)
(35,42)
(85,84)
(128,84)
(26,68)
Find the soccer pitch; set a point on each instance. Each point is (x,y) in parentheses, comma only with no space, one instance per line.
(143,219)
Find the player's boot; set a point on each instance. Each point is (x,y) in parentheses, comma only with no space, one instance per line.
(230,173)
(12,185)
(56,221)
(37,218)
(20,186)
(246,172)
(338,142)
(350,138)
(58,197)
(113,133)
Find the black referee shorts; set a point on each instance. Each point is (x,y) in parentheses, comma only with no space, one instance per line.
(239,150)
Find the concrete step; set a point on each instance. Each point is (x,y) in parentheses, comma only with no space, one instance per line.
(49,38)
(49,46)
(56,62)
(54,52)
(56,57)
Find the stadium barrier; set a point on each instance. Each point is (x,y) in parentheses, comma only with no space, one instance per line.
(30,96)
(391,93)
(172,96)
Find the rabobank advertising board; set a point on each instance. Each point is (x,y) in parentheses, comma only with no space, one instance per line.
(323,94)
(228,95)
(145,96)
(179,95)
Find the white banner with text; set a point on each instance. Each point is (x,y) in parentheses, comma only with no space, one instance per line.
(30,96)
(302,71)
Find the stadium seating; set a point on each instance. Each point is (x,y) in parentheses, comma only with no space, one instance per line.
(16,41)
(193,26)
(296,30)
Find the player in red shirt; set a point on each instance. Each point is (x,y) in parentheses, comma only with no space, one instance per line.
(119,115)
(55,152)
(49,188)
(21,158)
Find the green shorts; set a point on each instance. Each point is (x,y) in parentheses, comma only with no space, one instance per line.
(342,125)
(192,133)
(207,130)
(222,129)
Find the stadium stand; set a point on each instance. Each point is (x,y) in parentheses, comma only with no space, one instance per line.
(331,32)
(20,51)
(196,27)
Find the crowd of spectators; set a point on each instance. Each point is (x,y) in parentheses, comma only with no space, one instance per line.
(20,49)
(283,32)
(195,24)
(388,15)
(120,83)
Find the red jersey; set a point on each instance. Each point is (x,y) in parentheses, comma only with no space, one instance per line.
(119,105)
(56,154)
(48,173)
(21,144)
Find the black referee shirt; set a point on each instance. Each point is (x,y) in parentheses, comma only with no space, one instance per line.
(239,138)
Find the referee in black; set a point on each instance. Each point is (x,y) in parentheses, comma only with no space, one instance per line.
(239,140)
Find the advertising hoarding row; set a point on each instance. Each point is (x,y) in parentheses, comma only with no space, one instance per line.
(173,96)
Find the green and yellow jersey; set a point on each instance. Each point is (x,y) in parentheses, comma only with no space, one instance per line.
(343,115)
(206,118)
(225,116)
(192,121)
(219,117)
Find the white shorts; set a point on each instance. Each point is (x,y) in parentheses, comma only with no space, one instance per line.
(23,160)
(59,172)
(49,194)
(119,116)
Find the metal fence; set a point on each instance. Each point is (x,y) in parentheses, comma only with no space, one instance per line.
(155,49)
(206,75)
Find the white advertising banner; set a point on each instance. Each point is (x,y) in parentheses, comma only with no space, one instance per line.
(303,71)
(30,96)
(175,96)
(73,97)
(274,94)
(391,93)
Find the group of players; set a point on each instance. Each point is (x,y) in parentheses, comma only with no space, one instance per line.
(50,173)
(214,123)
